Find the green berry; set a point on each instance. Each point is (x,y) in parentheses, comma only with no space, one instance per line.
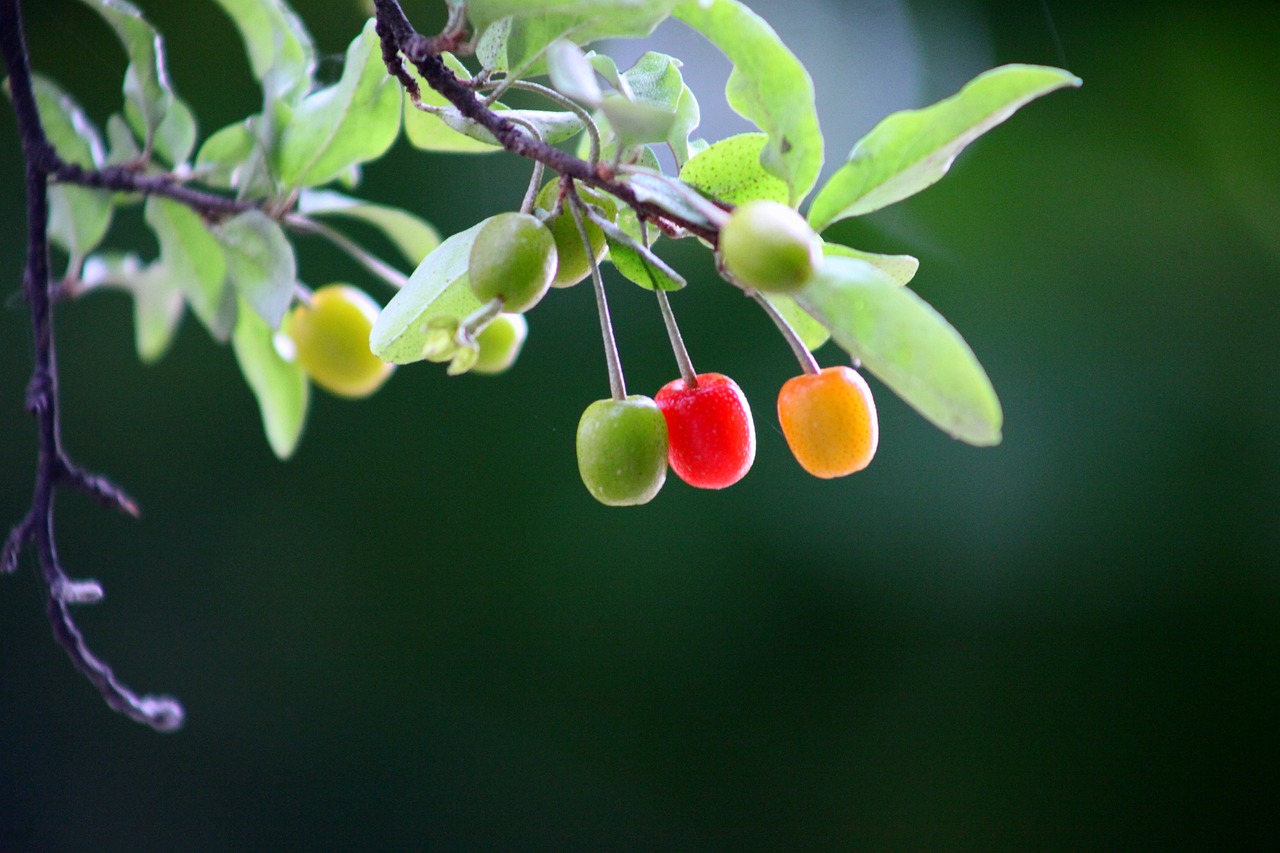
(574,264)
(622,450)
(500,343)
(331,340)
(768,246)
(513,259)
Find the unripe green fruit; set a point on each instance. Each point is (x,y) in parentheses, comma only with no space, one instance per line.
(331,339)
(500,343)
(622,450)
(573,264)
(768,246)
(513,259)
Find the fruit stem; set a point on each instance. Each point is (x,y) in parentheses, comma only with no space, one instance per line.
(687,373)
(593,131)
(617,383)
(355,251)
(481,317)
(807,362)
(535,181)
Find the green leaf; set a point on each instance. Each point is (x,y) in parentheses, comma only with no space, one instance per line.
(552,125)
(635,123)
(535,24)
(78,216)
(157,304)
(280,49)
(912,150)
(906,343)
(675,197)
(688,117)
(122,147)
(767,86)
(812,333)
(260,263)
(426,131)
(224,155)
(730,170)
(571,72)
(353,121)
(280,386)
(640,269)
(412,236)
(902,268)
(491,49)
(193,261)
(149,99)
(438,289)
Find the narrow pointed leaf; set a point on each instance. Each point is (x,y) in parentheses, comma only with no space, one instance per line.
(767,86)
(414,237)
(438,288)
(730,170)
(260,263)
(353,121)
(281,388)
(906,343)
(426,131)
(913,149)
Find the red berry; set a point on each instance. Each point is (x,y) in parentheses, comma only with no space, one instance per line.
(709,429)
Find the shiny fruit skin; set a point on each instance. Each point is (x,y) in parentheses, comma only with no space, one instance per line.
(709,429)
(500,343)
(768,246)
(331,339)
(622,450)
(572,265)
(829,421)
(513,258)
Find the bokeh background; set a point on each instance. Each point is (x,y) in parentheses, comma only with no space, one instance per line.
(422,633)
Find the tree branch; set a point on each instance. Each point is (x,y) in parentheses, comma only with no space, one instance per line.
(400,38)
(53,466)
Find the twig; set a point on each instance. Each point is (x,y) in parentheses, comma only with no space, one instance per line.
(53,467)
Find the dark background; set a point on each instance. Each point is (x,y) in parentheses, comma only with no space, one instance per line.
(422,632)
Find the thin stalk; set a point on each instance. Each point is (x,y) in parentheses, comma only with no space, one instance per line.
(617,383)
(687,372)
(807,362)
(358,253)
(593,132)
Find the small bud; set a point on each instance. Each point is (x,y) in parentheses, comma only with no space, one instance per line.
(78,592)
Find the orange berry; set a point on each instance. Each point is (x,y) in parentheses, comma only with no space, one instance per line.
(829,421)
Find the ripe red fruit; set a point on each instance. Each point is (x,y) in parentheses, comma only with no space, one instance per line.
(712,438)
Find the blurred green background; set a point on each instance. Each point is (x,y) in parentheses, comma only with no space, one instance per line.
(422,633)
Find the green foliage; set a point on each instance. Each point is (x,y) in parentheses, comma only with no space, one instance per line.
(912,150)
(239,275)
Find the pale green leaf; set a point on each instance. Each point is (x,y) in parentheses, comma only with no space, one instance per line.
(571,72)
(688,117)
(78,216)
(122,146)
(912,150)
(438,289)
(147,89)
(411,235)
(491,49)
(902,268)
(730,170)
(552,125)
(280,386)
(280,50)
(635,123)
(353,121)
(812,333)
(224,155)
(675,197)
(260,263)
(768,86)
(638,268)
(157,303)
(535,24)
(906,343)
(175,137)
(426,131)
(193,262)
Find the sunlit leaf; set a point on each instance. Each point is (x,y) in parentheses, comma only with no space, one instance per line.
(730,170)
(192,259)
(906,343)
(426,131)
(638,268)
(78,216)
(438,288)
(812,333)
(280,386)
(571,72)
(912,150)
(552,126)
(411,235)
(224,155)
(122,146)
(280,50)
(260,263)
(674,197)
(353,121)
(902,268)
(767,86)
(157,303)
